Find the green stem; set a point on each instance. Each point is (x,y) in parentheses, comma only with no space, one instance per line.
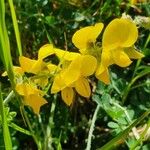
(126,92)
(31,130)
(89,141)
(6,134)
(8,98)
(134,78)
(16,127)
(48,138)
(139,61)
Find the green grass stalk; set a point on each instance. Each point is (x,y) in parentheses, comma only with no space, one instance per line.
(15,24)
(6,133)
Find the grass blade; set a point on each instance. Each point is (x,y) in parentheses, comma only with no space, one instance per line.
(5,53)
(15,24)
(6,134)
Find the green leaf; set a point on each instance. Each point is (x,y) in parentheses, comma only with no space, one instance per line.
(113,125)
(124,133)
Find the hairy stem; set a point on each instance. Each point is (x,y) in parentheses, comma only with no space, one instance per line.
(89,141)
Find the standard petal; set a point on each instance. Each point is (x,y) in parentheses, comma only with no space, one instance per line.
(121,58)
(35,102)
(82,86)
(45,51)
(88,65)
(83,37)
(133,53)
(119,33)
(67,95)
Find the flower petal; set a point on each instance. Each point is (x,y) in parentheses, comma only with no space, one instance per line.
(121,58)
(72,73)
(58,84)
(82,86)
(31,66)
(88,65)
(106,61)
(119,33)
(133,54)
(25,89)
(103,76)
(52,68)
(83,37)
(67,95)
(66,55)
(35,102)
(45,51)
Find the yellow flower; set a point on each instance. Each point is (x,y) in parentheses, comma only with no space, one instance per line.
(75,76)
(118,46)
(137,1)
(32,66)
(48,50)
(32,96)
(86,37)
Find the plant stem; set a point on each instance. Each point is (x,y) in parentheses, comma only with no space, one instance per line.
(16,127)
(134,78)
(30,128)
(6,134)
(48,138)
(126,92)
(8,98)
(89,141)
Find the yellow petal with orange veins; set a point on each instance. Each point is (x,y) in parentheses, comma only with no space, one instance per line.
(45,51)
(133,53)
(88,65)
(35,102)
(119,33)
(121,58)
(103,76)
(83,37)
(82,86)
(67,95)
(25,89)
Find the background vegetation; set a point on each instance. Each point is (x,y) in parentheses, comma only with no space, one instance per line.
(121,103)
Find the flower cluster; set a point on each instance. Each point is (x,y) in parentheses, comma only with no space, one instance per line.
(72,72)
